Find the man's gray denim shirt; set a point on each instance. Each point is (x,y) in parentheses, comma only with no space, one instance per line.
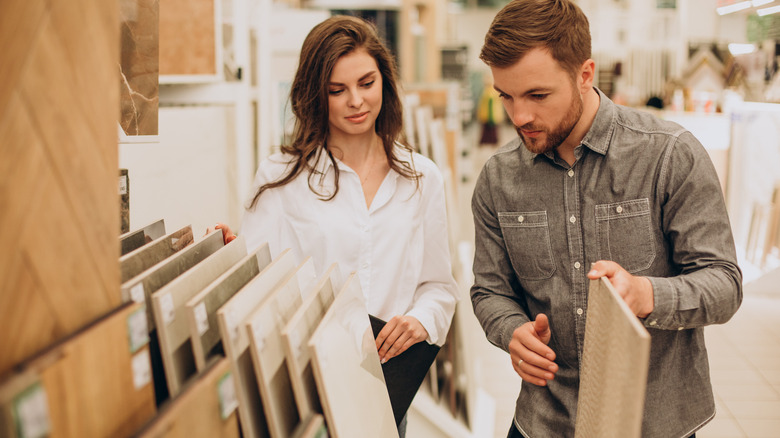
(643,193)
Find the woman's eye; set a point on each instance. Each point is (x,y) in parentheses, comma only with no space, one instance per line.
(368,84)
(335,92)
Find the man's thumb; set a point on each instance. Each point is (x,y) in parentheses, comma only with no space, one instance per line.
(541,325)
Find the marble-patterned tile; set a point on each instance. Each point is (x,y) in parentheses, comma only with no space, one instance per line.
(139,66)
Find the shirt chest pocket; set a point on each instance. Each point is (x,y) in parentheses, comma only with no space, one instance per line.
(527,239)
(625,236)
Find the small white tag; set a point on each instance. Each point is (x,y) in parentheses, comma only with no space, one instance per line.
(226,391)
(167,309)
(31,409)
(137,329)
(201,318)
(137,293)
(142,369)
(123,185)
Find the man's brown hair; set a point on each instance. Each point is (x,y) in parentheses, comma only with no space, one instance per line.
(560,26)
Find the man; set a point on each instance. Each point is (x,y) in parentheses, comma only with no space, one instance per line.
(586,182)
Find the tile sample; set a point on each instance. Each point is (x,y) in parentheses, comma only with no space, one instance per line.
(615,360)
(206,407)
(96,383)
(201,309)
(236,341)
(168,305)
(143,258)
(189,37)
(139,66)
(263,327)
(135,239)
(312,427)
(347,369)
(295,336)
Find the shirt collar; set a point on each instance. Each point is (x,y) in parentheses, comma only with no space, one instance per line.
(598,137)
(322,162)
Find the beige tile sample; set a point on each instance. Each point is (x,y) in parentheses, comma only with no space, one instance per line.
(615,360)
(236,340)
(312,427)
(295,336)
(202,409)
(347,369)
(263,326)
(168,304)
(201,310)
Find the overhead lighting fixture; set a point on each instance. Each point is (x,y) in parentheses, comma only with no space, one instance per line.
(757,3)
(723,10)
(768,11)
(741,49)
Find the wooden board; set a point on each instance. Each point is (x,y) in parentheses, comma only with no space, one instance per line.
(168,305)
(263,327)
(96,383)
(236,341)
(204,408)
(615,360)
(142,286)
(137,238)
(201,310)
(295,337)
(136,262)
(347,369)
(312,427)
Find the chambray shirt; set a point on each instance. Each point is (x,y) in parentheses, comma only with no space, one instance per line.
(643,193)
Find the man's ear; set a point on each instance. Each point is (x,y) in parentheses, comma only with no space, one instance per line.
(587,75)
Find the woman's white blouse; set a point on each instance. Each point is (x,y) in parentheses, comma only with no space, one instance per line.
(398,246)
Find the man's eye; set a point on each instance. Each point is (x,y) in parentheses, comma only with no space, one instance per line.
(538,96)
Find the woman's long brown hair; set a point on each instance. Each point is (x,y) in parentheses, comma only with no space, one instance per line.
(326,43)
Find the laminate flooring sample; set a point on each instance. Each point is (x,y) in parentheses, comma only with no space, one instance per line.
(263,326)
(135,239)
(347,369)
(312,427)
(201,310)
(295,336)
(236,340)
(96,383)
(615,360)
(143,258)
(168,304)
(206,407)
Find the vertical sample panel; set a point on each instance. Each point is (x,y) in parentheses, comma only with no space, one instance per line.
(201,310)
(135,239)
(139,66)
(264,327)
(236,341)
(347,369)
(295,336)
(168,304)
(96,383)
(202,409)
(615,360)
(59,215)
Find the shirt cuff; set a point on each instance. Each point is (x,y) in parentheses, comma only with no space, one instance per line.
(663,304)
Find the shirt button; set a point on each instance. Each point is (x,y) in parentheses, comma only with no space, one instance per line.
(653,322)
(520,218)
(571,172)
(572,219)
(619,209)
(577,265)
(579,311)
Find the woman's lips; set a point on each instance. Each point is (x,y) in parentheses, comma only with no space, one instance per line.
(358,118)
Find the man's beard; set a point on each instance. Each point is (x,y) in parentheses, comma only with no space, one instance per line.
(556,137)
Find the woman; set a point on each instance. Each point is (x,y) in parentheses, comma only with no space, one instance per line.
(346,191)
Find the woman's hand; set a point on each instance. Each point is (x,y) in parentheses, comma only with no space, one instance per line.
(227,235)
(400,333)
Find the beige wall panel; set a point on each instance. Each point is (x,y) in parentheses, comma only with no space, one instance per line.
(187,37)
(58,111)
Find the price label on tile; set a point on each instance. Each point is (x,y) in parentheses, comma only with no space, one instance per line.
(31,412)
(201,318)
(137,329)
(137,293)
(142,369)
(167,309)
(226,392)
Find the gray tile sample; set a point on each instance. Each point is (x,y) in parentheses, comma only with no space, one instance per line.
(135,239)
(615,360)
(143,258)
(347,369)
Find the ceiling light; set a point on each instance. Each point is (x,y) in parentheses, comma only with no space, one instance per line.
(723,10)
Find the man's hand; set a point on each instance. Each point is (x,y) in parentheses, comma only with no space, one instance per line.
(637,292)
(531,358)
(400,333)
